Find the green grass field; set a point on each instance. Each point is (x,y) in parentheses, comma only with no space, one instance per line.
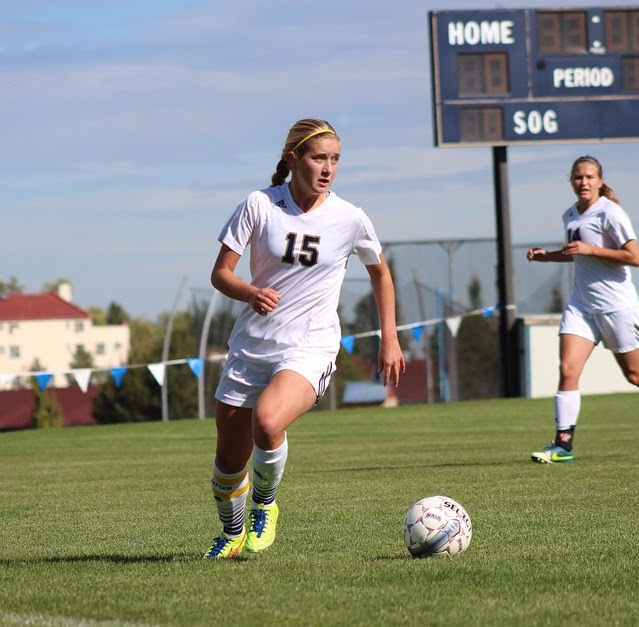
(107,525)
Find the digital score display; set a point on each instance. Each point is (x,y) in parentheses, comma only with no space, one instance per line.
(505,77)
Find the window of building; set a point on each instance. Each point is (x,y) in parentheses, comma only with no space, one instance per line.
(14,352)
(79,326)
(14,326)
(99,349)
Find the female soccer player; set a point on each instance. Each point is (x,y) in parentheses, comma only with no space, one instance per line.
(603,303)
(284,343)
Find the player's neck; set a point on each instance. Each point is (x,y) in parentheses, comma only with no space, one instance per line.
(586,204)
(306,201)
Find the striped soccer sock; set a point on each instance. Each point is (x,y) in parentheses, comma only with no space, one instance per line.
(230,492)
(268,468)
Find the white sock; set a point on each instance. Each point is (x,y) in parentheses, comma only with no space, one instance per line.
(268,468)
(230,493)
(567,406)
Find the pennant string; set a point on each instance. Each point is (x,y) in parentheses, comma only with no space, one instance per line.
(196,364)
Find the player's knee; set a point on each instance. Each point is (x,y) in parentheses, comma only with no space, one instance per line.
(632,376)
(267,426)
(568,374)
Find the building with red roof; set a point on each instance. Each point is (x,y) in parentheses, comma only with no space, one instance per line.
(49,329)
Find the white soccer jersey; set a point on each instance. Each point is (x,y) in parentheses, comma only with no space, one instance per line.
(303,257)
(600,286)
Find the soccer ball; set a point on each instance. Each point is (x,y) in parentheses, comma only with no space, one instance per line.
(437,525)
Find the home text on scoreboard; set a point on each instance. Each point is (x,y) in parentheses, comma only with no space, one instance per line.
(504,77)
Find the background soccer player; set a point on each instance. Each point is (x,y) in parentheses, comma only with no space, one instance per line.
(603,303)
(283,346)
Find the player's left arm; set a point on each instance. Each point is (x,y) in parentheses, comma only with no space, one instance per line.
(626,255)
(391,359)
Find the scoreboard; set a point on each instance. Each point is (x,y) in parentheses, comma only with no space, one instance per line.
(504,77)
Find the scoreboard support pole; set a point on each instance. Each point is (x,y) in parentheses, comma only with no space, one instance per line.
(505,77)
(508,346)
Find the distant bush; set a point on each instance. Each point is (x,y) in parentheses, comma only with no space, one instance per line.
(47,412)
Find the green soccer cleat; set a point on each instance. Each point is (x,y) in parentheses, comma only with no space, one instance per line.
(262,527)
(552,455)
(226,548)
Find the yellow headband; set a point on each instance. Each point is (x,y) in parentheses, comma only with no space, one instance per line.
(317,132)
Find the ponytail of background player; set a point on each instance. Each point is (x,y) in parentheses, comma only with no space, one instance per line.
(603,303)
(284,343)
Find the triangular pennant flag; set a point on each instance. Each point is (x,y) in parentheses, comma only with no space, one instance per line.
(417,333)
(157,370)
(453,324)
(195,364)
(43,379)
(5,379)
(488,312)
(82,377)
(348,342)
(118,374)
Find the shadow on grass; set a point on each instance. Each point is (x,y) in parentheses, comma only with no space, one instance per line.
(389,558)
(410,467)
(113,559)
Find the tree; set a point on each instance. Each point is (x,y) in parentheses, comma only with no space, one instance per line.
(52,286)
(478,344)
(474,292)
(82,359)
(139,397)
(12,286)
(47,411)
(116,314)
(367,319)
(98,317)
(36,366)
(182,384)
(146,341)
(136,400)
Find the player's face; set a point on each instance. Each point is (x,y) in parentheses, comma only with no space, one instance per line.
(314,172)
(586,183)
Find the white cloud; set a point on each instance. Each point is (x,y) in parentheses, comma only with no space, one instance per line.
(131,130)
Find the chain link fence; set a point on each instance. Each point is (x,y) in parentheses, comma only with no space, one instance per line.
(447,314)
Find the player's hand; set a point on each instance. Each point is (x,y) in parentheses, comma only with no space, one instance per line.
(577,248)
(536,254)
(391,362)
(264,300)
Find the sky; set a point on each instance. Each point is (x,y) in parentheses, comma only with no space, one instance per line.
(130,130)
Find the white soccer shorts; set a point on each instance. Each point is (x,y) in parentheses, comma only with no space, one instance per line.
(619,330)
(243,381)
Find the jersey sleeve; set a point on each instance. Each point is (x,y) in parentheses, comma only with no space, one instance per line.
(238,230)
(619,227)
(366,245)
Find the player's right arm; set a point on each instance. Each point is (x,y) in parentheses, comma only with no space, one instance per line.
(263,300)
(541,254)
